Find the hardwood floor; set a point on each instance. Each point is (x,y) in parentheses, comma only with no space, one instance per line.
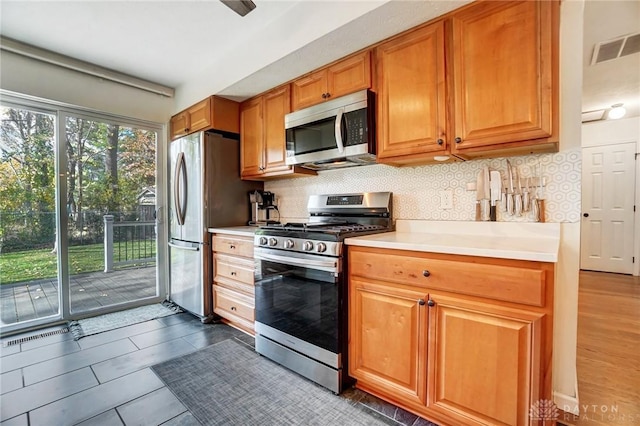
(608,355)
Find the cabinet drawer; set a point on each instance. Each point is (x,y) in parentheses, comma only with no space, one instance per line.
(239,246)
(229,302)
(502,282)
(235,268)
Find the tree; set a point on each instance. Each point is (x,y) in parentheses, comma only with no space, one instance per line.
(27,177)
(111,166)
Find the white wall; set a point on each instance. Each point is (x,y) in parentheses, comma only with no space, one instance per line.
(31,77)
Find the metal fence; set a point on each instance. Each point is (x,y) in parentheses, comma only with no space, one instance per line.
(128,243)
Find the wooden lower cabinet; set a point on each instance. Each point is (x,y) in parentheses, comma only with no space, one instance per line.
(233,280)
(484,361)
(388,351)
(450,356)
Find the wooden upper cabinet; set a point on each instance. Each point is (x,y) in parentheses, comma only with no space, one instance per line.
(411,96)
(211,113)
(344,77)
(251,136)
(349,75)
(484,366)
(262,137)
(179,125)
(504,71)
(199,115)
(309,90)
(277,103)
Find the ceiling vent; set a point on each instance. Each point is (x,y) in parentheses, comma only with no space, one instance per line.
(614,49)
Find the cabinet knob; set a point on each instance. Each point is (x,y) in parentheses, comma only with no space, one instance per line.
(328,95)
(440,141)
(421,302)
(426,273)
(324,96)
(585,214)
(458,140)
(431,302)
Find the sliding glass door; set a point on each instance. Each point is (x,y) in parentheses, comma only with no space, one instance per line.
(29,285)
(79,228)
(110,203)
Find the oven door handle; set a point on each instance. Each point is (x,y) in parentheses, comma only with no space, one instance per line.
(329,265)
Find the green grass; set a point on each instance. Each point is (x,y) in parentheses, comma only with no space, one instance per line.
(38,264)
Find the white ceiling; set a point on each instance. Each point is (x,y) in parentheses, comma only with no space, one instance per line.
(202,47)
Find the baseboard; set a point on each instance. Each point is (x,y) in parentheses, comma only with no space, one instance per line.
(566,403)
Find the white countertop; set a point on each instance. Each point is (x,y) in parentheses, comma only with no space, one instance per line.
(505,240)
(247,231)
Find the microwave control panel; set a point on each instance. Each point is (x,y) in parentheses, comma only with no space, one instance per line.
(356,127)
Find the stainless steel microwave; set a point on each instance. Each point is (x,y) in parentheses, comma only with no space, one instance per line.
(337,133)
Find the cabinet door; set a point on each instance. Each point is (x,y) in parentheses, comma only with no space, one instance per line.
(349,76)
(200,115)
(179,125)
(411,94)
(503,72)
(484,361)
(309,90)
(276,104)
(251,138)
(387,340)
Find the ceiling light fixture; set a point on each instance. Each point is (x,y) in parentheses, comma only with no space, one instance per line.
(241,7)
(616,111)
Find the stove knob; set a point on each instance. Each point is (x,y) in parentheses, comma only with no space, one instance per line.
(288,244)
(307,246)
(321,247)
(273,242)
(263,241)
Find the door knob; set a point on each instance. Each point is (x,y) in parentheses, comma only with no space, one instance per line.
(585,214)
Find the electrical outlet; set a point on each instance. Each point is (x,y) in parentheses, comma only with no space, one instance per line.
(446,199)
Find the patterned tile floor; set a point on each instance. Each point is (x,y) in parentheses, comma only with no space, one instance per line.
(105,379)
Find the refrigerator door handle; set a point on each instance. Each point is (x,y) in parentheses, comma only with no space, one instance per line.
(179,199)
(191,248)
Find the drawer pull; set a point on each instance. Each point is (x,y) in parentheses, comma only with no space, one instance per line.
(426,273)
(232,247)
(431,303)
(233,273)
(233,308)
(421,302)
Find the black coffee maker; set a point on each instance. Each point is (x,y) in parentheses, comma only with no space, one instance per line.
(263,203)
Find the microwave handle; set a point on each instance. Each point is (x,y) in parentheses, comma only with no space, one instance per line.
(338,130)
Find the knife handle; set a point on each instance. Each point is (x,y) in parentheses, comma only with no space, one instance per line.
(478,217)
(541,214)
(492,214)
(485,207)
(517,201)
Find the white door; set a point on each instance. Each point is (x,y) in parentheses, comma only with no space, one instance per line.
(608,179)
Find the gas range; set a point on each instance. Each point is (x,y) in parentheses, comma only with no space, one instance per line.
(332,218)
(301,287)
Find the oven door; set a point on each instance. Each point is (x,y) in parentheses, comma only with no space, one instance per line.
(297,301)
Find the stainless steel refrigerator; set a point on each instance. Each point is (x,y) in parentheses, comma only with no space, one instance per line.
(206,191)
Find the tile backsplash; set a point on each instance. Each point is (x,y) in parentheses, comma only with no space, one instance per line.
(416,190)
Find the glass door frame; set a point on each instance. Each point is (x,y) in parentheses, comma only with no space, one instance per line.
(62,112)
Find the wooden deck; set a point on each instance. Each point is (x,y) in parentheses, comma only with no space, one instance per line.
(38,299)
